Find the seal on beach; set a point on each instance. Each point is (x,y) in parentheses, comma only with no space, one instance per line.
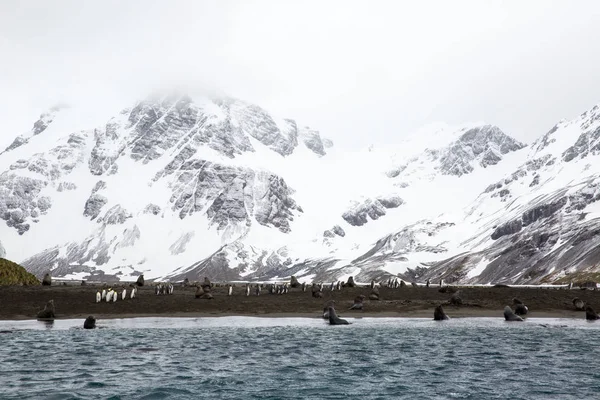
(330,303)
(358,303)
(439,314)
(350,282)
(579,304)
(509,315)
(374,294)
(89,323)
(294,282)
(47,313)
(140,280)
(47,280)
(455,300)
(203,293)
(591,314)
(334,319)
(520,307)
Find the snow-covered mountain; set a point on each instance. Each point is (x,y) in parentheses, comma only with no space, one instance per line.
(180,187)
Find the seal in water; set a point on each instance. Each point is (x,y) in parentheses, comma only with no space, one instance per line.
(89,323)
(590,314)
(48,312)
(334,319)
(439,314)
(520,307)
(509,315)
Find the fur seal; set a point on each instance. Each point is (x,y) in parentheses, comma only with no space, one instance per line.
(330,303)
(374,294)
(47,313)
(89,323)
(509,315)
(358,303)
(47,280)
(591,314)
(140,280)
(203,293)
(350,282)
(294,282)
(579,304)
(334,319)
(455,300)
(439,314)
(520,307)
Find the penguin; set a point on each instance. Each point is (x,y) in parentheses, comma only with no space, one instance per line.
(332,287)
(427,283)
(230,290)
(103,294)
(339,285)
(157,289)
(124,294)
(258,290)
(304,286)
(133,292)
(285,288)
(108,297)
(321,287)
(372,283)
(441,282)
(247,289)
(98,297)
(115,296)
(171,288)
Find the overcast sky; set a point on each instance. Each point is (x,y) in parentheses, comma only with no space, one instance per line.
(360,72)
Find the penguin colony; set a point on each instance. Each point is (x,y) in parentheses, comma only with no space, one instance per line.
(520,309)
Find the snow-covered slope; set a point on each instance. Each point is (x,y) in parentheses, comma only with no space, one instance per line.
(180,187)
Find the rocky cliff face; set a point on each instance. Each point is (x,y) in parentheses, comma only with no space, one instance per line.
(178,187)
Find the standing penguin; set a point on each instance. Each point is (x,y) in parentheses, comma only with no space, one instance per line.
(230,290)
(103,294)
(257,289)
(124,294)
(247,289)
(98,297)
(133,292)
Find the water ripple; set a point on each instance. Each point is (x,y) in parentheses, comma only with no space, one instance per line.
(233,358)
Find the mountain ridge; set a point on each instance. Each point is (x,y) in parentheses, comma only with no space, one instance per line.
(179,187)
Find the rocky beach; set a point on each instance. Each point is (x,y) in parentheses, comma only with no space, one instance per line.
(76,301)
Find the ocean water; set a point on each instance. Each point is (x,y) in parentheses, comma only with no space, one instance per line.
(296,358)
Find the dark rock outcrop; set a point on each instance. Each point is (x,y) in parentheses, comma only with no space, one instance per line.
(373,208)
